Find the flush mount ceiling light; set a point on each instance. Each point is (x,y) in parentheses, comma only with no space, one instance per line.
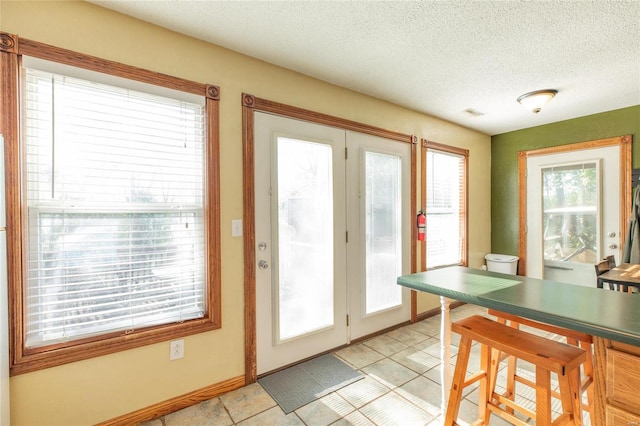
(537,99)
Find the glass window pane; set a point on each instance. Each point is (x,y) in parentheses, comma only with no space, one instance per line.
(383,207)
(305,237)
(115,185)
(570,205)
(104,272)
(445,208)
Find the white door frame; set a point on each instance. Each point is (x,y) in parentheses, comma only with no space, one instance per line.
(625,143)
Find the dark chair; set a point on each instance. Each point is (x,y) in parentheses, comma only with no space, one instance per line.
(611,260)
(604,266)
(607,264)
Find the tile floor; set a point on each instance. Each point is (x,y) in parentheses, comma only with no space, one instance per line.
(401,387)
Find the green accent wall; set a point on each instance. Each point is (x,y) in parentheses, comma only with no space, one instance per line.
(504,162)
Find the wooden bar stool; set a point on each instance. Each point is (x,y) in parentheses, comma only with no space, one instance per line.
(547,355)
(575,338)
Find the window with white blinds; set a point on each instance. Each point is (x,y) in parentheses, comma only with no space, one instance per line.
(115,198)
(445,195)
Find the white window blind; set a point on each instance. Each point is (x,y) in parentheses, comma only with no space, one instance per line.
(115,196)
(445,208)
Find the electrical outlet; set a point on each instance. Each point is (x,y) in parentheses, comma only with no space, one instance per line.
(176,349)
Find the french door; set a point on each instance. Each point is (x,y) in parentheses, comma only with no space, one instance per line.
(332,235)
(379,224)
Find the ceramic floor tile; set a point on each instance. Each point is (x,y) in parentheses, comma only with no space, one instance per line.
(455,339)
(439,421)
(424,393)
(473,365)
(434,373)
(359,355)
(273,416)
(429,326)
(401,387)
(408,336)
(325,411)
(392,409)
(474,398)
(247,401)
(416,360)
(363,391)
(354,419)
(390,373)
(385,344)
(432,346)
(209,412)
(468,412)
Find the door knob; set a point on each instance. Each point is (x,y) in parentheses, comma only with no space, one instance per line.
(611,234)
(263,264)
(613,246)
(262,246)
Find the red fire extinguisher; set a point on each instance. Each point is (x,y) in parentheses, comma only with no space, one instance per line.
(422,225)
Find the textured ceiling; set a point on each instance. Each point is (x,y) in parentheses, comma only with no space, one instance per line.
(436,57)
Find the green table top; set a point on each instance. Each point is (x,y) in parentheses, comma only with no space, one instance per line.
(609,314)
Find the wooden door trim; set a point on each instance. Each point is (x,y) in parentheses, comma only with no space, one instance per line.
(251,104)
(625,144)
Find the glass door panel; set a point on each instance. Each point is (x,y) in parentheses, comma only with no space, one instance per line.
(383,209)
(570,213)
(305,237)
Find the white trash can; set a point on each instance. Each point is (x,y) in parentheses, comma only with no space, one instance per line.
(504,263)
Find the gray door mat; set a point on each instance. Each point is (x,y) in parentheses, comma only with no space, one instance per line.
(303,383)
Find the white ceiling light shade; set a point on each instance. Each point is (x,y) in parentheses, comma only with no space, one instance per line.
(537,99)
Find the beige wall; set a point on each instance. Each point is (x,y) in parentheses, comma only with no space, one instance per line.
(101,388)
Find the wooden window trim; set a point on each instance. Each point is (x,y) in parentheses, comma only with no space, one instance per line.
(21,359)
(436,146)
(625,143)
(251,104)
